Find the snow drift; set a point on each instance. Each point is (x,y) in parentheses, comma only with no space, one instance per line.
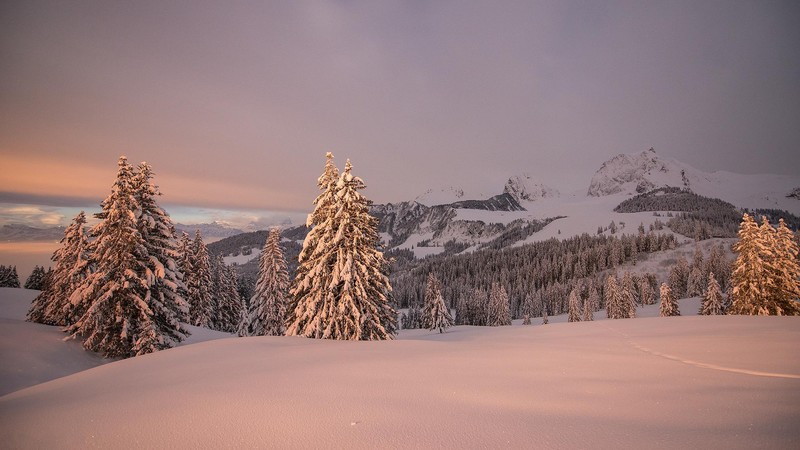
(707,382)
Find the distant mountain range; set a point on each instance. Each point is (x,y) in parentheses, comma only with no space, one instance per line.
(24,233)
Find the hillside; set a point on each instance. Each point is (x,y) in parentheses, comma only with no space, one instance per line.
(683,382)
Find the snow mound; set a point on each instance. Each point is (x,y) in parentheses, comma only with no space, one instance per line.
(526,187)
(678,382)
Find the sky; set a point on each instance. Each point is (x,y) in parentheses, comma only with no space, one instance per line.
(234,104)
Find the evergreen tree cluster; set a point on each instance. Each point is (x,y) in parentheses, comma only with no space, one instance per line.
(691,279)
(38,278)
(9,276)
(766,273)
(119,289)
(547,270)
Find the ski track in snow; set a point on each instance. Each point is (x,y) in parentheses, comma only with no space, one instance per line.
(699,364)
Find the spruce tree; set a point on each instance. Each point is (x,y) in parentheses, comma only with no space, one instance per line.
(591,304)
(114,302)
(574,307)
(341,290)
(198,283)
(765,273)
(712,300)
(267,306)
(498,313)
(669,306)
(52,305)
(527,309)
(227,305)
(435,313)
(162,272)
(9,276)
(646,294)
(613,299)
(36,279)
(628,297)
(695,285)
(678,278)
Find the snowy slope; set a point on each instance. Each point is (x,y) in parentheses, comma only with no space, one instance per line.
(32,353)
(684,382)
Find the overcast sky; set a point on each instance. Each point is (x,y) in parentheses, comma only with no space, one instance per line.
(236,103)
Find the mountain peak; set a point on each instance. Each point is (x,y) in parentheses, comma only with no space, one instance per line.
(528,188)
(634,173)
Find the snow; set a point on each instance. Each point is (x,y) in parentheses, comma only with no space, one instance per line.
(678,382)
(242,259)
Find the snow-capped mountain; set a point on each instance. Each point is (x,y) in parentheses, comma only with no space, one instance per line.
(209,230)
(525,187)
(447,194)
(636,173)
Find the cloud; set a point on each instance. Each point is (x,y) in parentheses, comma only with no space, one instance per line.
(31,215)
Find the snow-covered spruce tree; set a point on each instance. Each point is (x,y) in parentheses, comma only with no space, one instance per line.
(162,271)
(267,306)
(646,294)
(116,318)
(669,306)
(435,314)
(613,299)
(696,283)
(590,306)
(35,280)
(341,290)
(628,296)
(786,269)
(9,276)
(413,319)
(678,277)
(712,300)
(762,272)
(198,283)
(227,306)
(498,312)
(574,307)
(52,306)
(527,309)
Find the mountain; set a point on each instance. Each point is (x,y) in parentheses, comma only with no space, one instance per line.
(209,230)
(637,173)
(525,187)
(17,233)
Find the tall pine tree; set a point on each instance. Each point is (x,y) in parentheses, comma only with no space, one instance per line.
(341,290)
(267,310)
(52,306)
(574,307)
(668,306)
(712,300)
(199,282)
(435,314)
(162,272)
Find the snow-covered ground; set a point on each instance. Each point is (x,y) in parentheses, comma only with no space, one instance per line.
(679,382)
